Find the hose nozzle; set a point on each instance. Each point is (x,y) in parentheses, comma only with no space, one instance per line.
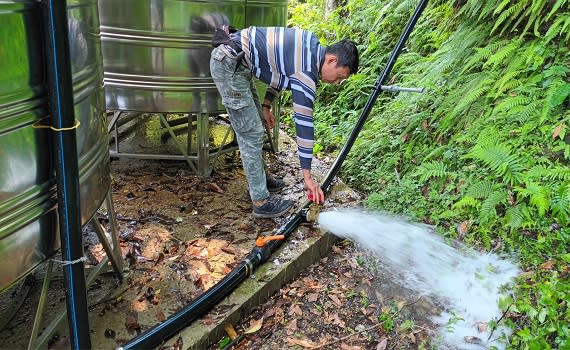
(311,214)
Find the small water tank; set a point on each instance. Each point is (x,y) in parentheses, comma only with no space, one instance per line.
(28,196)
(156,52)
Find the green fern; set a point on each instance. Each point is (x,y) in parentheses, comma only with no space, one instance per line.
(481,189)
(560,26)
(466,202)
(538,196)
(508,15)
(488,209)
(560,203)
(432,169)
(559,173)
(510,102)
(500,57)
(516,216)
(500,160)
(557,92)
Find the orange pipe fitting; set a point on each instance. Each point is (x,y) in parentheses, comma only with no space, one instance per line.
(262,240)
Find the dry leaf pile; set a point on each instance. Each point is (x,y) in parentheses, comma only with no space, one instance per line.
(332,305)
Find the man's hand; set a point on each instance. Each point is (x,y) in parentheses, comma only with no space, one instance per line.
(268,118)
(314,191)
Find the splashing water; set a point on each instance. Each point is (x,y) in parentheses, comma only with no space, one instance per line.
(467,282)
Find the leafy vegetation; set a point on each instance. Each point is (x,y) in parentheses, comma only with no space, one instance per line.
(486,147)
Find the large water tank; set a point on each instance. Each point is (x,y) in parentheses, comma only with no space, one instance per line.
(156,52)
(28,196)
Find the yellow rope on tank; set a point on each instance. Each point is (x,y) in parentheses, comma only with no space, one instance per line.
(36,125)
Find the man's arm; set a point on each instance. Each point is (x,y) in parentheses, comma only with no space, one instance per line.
(303,87)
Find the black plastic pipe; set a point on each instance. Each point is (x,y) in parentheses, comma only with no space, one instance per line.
(60,85)
(199,306)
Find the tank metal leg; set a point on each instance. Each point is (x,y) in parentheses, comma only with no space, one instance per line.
(200,157)
(118,256)
(178,145)
(203,145)
(41,305)
(113,255)
(42,341)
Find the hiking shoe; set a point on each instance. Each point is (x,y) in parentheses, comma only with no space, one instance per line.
(274,207)
(274,184)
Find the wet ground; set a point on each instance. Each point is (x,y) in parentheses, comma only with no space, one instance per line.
(180,234)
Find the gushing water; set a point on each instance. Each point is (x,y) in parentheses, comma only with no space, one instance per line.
(466,281)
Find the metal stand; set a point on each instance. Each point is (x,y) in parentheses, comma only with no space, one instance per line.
(113,255)
(200,159)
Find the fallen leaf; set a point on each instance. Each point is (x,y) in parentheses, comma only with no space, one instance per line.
(254,326)
(160,315)
(132,322)
(296,310)
(312,297)
(302,342)
(557,131)
(292,325)
(481,327)
(337,250)
(228,250)
(462,228)
(213,187)
(547,265)
(336,320)
(344,346)
(400,304)
(382,344)
(269,313)
(335,299)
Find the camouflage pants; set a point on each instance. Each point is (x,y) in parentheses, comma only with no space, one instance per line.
(239,96)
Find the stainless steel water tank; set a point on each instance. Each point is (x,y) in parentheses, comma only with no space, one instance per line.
(156,52)
(28,218)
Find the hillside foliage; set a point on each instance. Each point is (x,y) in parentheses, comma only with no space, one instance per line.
(483,154)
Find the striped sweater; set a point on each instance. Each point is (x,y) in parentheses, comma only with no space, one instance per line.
(287,58)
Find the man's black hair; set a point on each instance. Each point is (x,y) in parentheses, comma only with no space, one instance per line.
(346,54)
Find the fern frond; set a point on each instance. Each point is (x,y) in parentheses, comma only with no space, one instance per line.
(508,15)
(432,169)
(508,81)
(537,172)
(466,201)
(558,174)
(523,114)
(500,160)
(560,203)
(537,195)
(488,209)
(554,9)
(500,56)
(481,189)
(515,216)
(555,95)
(488,9)
(510,102)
